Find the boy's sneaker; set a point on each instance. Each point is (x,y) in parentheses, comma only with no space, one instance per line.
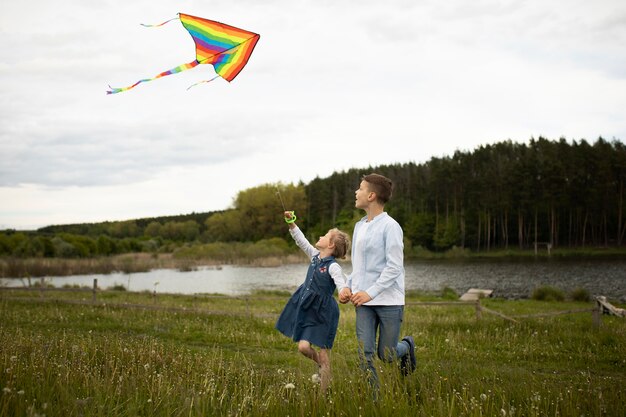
(408,362)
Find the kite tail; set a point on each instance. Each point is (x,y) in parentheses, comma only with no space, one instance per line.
(203,81)
(176,70)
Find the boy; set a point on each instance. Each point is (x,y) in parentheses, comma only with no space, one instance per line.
(377,280)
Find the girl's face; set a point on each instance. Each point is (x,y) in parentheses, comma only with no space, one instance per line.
(325,241)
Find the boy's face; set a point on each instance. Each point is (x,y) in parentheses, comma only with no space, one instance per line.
(362,196)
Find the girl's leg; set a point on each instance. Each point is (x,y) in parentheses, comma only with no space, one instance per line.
(304,347)
(325,373)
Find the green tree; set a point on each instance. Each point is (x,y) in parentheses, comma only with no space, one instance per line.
(153,229)
(224,227)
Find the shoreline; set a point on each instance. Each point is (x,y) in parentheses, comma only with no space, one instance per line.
(143,262)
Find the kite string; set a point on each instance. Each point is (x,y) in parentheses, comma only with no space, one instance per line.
(203,81)
(160,24)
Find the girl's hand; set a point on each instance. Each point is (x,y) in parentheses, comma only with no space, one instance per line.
(290,218)
(344,295)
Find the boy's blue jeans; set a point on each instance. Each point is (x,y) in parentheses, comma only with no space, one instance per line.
(385,320)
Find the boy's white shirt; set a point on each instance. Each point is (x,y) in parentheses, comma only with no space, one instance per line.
(378,272)
(334,270)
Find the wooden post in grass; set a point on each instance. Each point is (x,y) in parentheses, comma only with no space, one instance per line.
(596,316)
(94,291)
(479,310)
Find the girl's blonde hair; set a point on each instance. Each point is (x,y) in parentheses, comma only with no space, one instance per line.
(342,243)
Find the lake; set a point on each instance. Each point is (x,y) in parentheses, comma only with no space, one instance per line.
(508,279)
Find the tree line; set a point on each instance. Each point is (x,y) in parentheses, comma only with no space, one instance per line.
(500,196)
(505,195)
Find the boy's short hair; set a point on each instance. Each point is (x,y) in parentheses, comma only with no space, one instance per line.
(382,186)
(342,243)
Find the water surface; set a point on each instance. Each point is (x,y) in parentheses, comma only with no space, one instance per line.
(508,279)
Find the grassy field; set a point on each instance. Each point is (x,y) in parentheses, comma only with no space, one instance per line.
(220,356)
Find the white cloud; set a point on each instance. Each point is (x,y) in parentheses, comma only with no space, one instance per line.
(330,86)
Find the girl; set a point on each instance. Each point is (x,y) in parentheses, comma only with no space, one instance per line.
(311,315)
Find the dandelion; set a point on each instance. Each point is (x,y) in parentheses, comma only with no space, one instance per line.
(289,386)
(315,378)
(483,397)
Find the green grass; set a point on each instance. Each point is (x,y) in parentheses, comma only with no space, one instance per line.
(60,359)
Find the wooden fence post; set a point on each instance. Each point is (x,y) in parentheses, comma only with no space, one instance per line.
(479,310)
(94,291)
(596,316)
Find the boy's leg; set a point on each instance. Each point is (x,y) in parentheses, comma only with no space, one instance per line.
(366,325)
(389,349)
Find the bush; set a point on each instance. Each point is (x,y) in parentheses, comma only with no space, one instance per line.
(547,293)
(580,294)
(448,293)
(118,287)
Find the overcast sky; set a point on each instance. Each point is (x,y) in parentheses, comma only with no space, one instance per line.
(331,85)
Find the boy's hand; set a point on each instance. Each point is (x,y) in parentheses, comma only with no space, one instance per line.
(360,298)
(344,295)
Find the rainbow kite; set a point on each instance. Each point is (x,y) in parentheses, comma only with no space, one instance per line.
(225,47)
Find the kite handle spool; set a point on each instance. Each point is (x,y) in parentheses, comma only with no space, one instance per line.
(291,219)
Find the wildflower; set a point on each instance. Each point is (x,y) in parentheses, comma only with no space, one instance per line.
(483,397)
(315,378)
(13,358)
(289,386)
(6,390)
(20,392)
